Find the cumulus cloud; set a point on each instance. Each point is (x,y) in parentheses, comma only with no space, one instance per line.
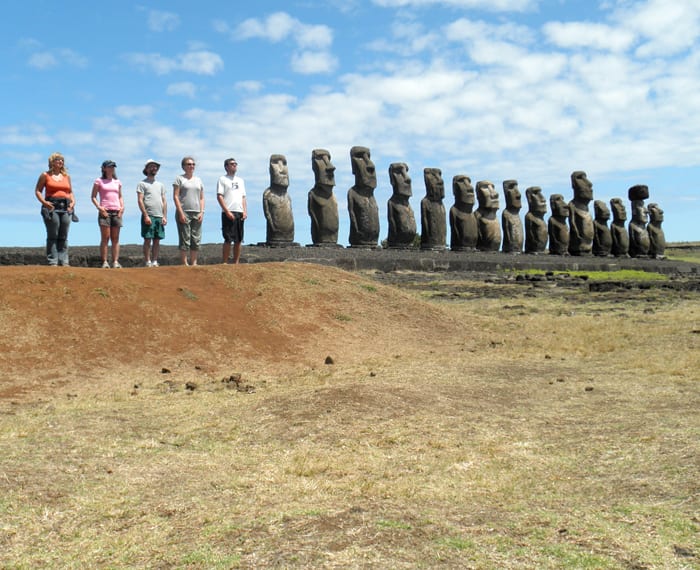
(573,35)
(57,58)
(200,62)
(160,21)
(182,89)
(308,62)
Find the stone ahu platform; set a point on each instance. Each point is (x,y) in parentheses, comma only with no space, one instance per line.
(385,260)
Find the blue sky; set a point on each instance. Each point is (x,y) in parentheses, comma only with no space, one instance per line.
(495,89)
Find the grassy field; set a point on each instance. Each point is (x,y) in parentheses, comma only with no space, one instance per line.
(514,427)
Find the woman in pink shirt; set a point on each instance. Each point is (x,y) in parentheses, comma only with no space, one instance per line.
(111,209)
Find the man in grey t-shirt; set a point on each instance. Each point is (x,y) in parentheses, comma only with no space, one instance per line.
(154,208)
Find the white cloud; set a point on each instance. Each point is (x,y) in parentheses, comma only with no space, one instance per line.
(199,62)
(249,86)
(57,58)
(308,62)
(183,88)
(574,35)
(490,5)
(159,21)
(134,111)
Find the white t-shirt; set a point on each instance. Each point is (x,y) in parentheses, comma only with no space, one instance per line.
(232,188)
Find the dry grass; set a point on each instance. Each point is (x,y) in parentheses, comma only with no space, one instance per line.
(519,428)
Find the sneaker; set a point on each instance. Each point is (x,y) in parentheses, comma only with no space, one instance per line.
(155,263)
(149,264)
(105,265)
(116,265)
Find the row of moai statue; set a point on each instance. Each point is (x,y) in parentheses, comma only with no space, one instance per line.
(570,230)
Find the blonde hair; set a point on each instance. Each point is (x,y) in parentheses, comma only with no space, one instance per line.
(53,157)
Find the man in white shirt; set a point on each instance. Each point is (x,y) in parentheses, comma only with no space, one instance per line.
(230,193)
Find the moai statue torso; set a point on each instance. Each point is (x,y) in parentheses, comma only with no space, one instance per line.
(657,239)
(580,221)
(487,222)
(277,204)
(618,231)
(322,204)
(463,228)
(536,233)
(557,226)
(433,219)
(510,218)
(362,206)
(602,238)
(639,236)
(402,222)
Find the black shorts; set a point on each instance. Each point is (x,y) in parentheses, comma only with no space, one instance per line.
(232,230)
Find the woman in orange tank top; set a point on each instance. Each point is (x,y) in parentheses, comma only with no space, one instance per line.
(55,192)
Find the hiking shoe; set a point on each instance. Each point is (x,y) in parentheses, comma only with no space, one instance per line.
(105,265)
(149,264)
(155,263)
(116,265)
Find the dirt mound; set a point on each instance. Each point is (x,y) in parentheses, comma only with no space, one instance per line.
(59,325)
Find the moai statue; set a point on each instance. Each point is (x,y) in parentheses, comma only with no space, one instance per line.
(486,221)
(618,231)
(433,219)
(277,204)
(580,221)
(557,227)
(402,222)
(657,239)
(536,233)
(362,206)
(322,205)
(639,236)
(602,238)
(463,228)
(510,218)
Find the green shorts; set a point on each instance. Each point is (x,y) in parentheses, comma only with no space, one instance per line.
(154,230)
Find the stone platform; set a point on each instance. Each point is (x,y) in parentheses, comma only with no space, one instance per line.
(385,260)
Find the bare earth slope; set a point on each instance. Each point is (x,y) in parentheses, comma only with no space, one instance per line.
(58,324)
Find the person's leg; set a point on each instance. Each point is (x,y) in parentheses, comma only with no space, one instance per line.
(104,243)
(52,222)
(114,236)
(156,250)
(225,252)
(236,252)
(147,250)
(183,233)
(62,238)
(196,228)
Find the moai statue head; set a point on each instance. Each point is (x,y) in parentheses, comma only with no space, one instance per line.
(536,202)
(582,187)
(363,168)
(487,195)
(400,180)
(640,215)
(324,171)
(619,212)
(558,206)
(656,214)
(434,186)
(279,173)
(601,211)
(463,190)
(512,194)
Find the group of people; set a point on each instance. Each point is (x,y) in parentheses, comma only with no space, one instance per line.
(55,192)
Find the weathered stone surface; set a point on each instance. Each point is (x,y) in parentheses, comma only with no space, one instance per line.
(536,233)
(618,231)
(639,236)
(402,221)
(510,218)
(464,232)
(638,192)
(557,226)
(581,229)
(277,204)
(657,239)
(602,238)
(322,205)
(362,206)
(433,216)
(487,223)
